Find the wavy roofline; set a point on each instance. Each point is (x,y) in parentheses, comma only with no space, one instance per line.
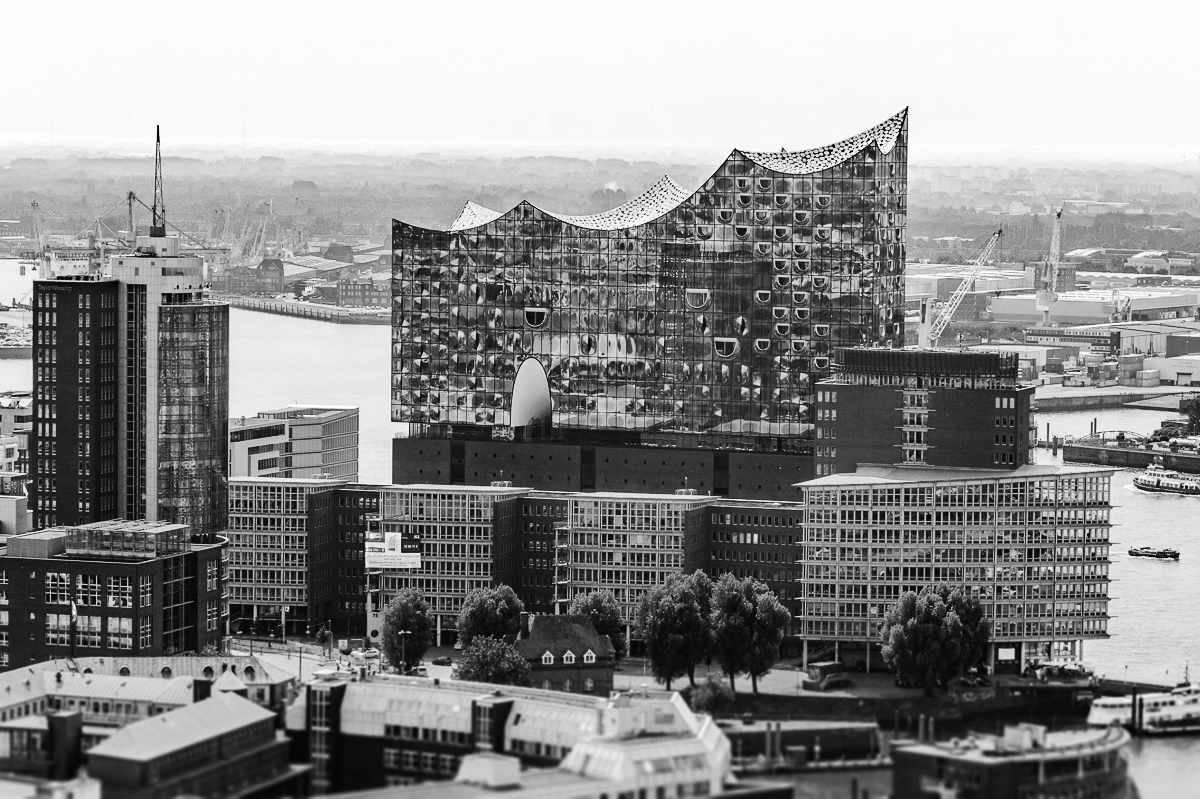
(883,135)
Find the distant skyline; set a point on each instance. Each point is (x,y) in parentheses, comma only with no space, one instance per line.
(1028,82)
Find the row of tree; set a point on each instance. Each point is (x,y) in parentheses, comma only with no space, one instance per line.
(689,620)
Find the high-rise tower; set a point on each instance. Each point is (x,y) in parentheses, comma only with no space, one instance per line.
(134,362)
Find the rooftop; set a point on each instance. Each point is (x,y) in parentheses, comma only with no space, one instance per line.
(870,474)
(160,735)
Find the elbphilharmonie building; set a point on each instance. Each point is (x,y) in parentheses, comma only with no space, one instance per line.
(691,319)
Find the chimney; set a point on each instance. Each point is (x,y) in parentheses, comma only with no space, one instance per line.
(201,689)
(526,625)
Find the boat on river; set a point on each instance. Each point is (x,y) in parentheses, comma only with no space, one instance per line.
(1107,710)
(1158,479)
(1163,553)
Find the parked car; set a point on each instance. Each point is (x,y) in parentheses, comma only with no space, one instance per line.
(443,660)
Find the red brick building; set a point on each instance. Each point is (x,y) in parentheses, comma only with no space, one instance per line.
(565,653)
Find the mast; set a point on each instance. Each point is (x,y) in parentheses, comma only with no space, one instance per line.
(158,227)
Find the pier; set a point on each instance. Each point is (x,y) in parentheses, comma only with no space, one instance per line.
(308,310)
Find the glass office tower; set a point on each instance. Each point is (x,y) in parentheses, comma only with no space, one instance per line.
(707,316)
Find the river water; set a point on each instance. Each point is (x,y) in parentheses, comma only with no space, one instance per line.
(1155,629)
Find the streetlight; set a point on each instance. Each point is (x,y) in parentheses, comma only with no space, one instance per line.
(403,657)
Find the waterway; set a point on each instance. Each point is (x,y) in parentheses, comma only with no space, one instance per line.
(277,360)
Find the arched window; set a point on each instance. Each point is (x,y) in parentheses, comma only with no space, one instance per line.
(589,685)
(248,673)
(166,672)
(589,656)
(567,686)
(545,685)
(124,672)
(569,657)
(208,672)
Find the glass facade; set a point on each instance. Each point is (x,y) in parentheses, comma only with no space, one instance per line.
(710,313)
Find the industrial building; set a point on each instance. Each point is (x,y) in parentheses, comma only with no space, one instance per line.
(1143,304)
(691,321)
(1170,338)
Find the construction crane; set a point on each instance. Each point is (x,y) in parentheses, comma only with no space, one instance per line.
(1049,282)
(931,328)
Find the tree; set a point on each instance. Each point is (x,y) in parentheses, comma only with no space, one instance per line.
(734,608)
(407,629)
(711,696)
(602,608)
(494,612)
(674,622)
(488,659)
(932,637)
(770,620)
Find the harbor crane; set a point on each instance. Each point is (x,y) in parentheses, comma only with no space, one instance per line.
(932,327)
(1046,291)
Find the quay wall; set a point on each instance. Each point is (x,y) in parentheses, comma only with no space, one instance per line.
(1083,401)
(325,313)
(1130,457)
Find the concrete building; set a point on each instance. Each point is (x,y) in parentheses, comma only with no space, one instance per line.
(222,746)
(300,441)
(1120,338)
(278,563)
(111,588)
(266,278)
(1031,543)
(131,378)
(923,407)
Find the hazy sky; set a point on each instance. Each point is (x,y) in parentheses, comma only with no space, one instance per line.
(1115,80)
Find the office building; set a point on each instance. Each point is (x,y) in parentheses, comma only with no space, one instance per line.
(222,746)
(923,407)
(111,588)
(302,441)
(696,322)
(131,382)
(271,543)
(16,420)
(388,731)
(1026,761)
(1031,543)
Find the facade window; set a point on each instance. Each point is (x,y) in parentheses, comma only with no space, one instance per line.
(589,685)
(58,588)
(391,758)
(212,615)
(212,575)
(567,685)
(145,632)
(569,658)
(547,659)
(88,592)
(546,685)
(87,630)
(120,592)
(120,633)
(3,618)
(589,656)
(58,629)
(147,590)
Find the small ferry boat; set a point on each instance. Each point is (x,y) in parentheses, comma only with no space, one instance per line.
(1107,710)
(1164,553)
(1158,479)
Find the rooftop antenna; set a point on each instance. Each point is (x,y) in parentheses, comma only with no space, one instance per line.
(158,227)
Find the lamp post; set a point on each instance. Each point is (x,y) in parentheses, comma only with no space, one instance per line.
(403,649)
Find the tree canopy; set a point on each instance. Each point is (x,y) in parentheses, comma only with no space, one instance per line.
(675,623)
(494,612)
(488,659)
(932,637)
(407,629)
(734,610)
(601,607)
(770,620)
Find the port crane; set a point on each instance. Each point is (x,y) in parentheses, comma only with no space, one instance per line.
(1045,294)
(931,327)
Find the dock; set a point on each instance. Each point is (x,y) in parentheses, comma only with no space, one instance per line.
(1063,398)
(1120,457)
(310,310)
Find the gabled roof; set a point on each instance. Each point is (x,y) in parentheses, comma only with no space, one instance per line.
(159,735)
(560,634)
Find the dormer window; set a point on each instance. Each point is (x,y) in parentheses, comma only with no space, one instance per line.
(547,659)
(569,657)
(589,656)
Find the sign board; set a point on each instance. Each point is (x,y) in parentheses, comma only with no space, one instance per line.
(393,550)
